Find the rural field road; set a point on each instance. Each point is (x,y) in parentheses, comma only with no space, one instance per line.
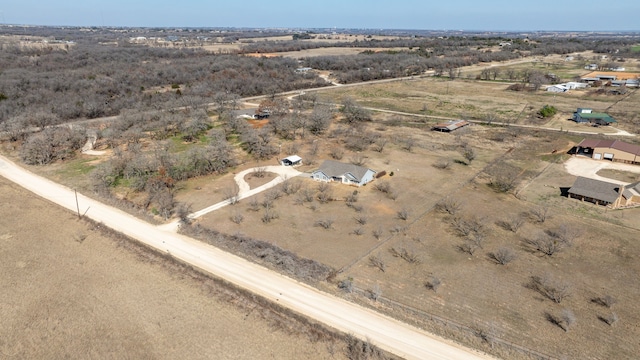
(389,334)
(586,167)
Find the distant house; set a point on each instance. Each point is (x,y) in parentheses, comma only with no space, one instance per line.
(605,193)
(450,125)
(605,76)
(591,67)
(584,115)
(345,173)
(292,160)
(303,69)
(575,85)
(558,88)
(612,150)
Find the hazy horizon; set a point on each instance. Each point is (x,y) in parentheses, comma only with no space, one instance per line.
(455,15)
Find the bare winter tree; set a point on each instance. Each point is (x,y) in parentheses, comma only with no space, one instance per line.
(550,287)
(433,283)
(378,263)
(503,255)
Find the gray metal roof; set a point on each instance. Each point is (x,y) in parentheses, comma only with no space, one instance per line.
(336,169)
(595,189)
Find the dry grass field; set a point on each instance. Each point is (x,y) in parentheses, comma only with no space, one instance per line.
(476,291)
(73,291)
(479,100)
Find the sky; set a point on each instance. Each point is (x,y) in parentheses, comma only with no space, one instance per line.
(496,15)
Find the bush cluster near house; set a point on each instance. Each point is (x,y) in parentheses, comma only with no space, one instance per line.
(547,111)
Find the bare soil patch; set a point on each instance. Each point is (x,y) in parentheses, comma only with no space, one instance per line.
(76,293)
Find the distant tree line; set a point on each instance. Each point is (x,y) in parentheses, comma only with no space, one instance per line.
(91,81)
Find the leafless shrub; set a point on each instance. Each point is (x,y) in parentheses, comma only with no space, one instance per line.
(606,301)
(546,244)
(325,196)
(80,236)
(449,205)
(352,198)
(232,195)
(512,223)
(237,218)
(363,350)
(540,213)
(346,285)
(259,172)
(442,165)
(183,211)
(468,153)
(468,247)
(551,288)
(433,283)
(468,225)
(313,148)
(375,293)
(379,145)
(565,320)
(358,159)
(407,144)
(290,187)
(324,187)
(502,184)
(486,333)
(361,219)
(358,231)
(269,215)
(403,214)
(357,208)
(564,233)
(254,204)
(397,229)
(305,195)
(554,319)
(610,319)
(393,195)
(503,255)
(377,233)
(382,186)
(406,255)
(568,319)
(324,223)
(377,262)
(336,152)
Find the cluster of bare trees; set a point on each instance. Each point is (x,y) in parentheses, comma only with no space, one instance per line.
(52,144)
(90,81)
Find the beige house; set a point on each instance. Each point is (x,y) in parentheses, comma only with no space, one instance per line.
(612,150)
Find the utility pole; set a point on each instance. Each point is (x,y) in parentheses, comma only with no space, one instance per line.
(77,205)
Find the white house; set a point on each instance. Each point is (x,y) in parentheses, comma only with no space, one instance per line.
(345,173)
(558,88)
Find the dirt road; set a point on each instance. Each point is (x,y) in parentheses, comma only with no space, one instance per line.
(389,334)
